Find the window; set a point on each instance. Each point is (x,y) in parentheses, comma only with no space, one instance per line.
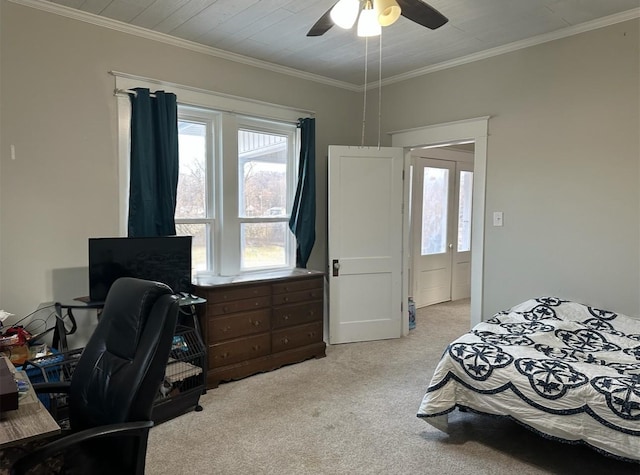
(235,189)
(262,195)
(192,200)
(237,176)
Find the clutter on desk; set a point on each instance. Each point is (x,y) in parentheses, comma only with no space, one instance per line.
(14,344)
(18,343)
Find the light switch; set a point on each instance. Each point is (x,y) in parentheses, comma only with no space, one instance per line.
(497,218)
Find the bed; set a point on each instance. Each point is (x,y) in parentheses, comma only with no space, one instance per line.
(566,370)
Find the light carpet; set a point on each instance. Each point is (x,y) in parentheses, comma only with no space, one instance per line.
(354,412)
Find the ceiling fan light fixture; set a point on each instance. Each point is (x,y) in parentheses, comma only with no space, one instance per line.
(345,12)
(368,22)
(387,11)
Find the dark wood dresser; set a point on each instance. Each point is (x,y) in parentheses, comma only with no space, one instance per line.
(259,322)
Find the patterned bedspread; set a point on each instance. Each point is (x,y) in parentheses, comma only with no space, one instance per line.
(567,370)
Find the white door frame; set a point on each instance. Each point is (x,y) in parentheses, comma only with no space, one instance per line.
(475,129)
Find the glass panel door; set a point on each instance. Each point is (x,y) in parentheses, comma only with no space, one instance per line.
(435,206)
(464,211)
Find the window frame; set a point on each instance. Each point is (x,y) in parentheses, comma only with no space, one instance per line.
(211,121)
(293,147)
(229,109)
(223,219)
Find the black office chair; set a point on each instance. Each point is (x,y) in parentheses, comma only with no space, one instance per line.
(114,384)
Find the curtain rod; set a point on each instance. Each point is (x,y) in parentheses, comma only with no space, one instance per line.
(178,89)
(126,92)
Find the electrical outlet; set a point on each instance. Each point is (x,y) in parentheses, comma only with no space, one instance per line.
(497,218)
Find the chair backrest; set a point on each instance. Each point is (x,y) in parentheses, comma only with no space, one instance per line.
(123,364)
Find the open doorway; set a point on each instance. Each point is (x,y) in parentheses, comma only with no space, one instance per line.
(440,223)
(470,130)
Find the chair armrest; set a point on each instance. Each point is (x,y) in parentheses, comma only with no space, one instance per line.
(55,387)
(23,464)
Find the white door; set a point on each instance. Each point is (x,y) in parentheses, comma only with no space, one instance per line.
(365,243)
(433,235)
(441,230)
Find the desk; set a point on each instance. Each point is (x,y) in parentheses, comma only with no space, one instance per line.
(30,421)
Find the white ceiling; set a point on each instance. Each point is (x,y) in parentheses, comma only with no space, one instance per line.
(274,31)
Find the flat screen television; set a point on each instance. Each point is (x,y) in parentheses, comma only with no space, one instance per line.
(164,259)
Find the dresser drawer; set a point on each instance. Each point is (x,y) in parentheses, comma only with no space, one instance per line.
(297,314)
(227,294)
(235,351)
(294,337)
(299,296)
(233,326)
(296,285)
(233,306)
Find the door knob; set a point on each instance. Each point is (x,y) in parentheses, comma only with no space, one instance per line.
(336,267)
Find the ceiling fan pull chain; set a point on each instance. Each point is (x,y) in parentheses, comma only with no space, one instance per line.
(364,105)
(379,90)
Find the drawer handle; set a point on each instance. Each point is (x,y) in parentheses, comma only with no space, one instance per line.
(285,317)
(255,347)
(225,309)
(257,303)
(312,334)
(311,313)
(256,323)
(285,340)
(224,355)
(286,299)
(226,329)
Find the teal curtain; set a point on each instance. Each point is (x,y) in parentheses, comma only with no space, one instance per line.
(154,163)
(303,215)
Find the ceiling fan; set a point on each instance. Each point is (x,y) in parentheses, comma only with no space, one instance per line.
(371,15)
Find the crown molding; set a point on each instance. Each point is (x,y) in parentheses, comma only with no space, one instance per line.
(218,53)
(116,25)
(517,45)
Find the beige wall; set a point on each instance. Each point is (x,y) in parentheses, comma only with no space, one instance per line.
(563,152)
(59,112)
(562,163)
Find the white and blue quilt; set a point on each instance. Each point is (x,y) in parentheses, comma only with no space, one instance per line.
(566,370)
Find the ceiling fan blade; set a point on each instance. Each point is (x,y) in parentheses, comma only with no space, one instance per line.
(322,25)
(422,14)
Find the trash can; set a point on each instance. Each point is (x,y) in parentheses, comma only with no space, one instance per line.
(412,314)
